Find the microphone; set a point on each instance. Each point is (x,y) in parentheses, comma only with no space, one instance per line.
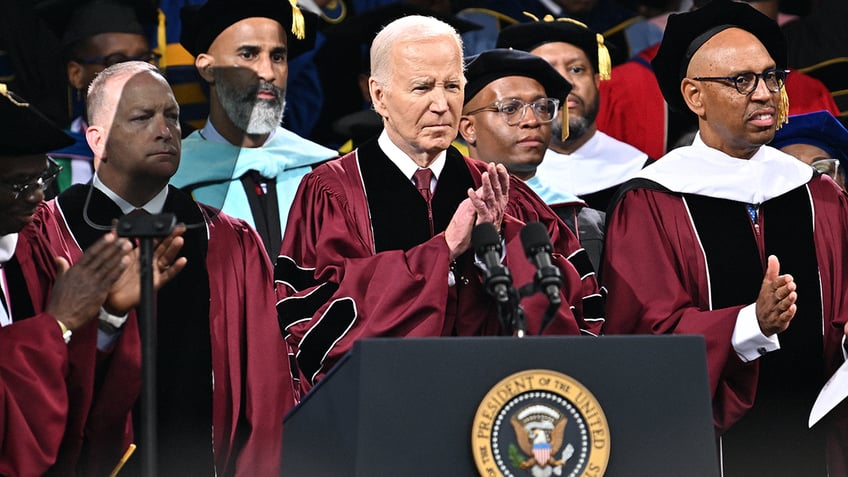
(537,246)
(487,246)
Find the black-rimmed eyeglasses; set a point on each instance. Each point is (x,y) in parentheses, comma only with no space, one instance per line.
(746,83)
(41,183)
(115,58)
(513,110)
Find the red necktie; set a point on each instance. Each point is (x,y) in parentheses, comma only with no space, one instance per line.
(422,178)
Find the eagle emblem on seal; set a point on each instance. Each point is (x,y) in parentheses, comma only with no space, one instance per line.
(540,432)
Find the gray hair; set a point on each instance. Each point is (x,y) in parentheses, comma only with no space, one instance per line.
(95,101)
(408,28)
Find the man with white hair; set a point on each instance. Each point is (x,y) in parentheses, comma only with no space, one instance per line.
(378,241)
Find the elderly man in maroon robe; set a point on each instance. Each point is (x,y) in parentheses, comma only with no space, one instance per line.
(741,243)
(223,374)
(377,242)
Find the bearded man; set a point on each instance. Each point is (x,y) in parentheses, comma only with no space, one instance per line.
(582,160)
(243,160)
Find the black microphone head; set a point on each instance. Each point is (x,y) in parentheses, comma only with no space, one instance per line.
(485,236)
(534,236)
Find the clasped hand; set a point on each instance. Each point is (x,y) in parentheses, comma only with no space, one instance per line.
(485,204)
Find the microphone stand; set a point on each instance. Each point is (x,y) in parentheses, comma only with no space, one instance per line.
(511,314)
(145,228)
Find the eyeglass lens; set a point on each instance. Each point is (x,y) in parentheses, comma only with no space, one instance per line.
(826,166)
(747,82)
(515,109)
(41,183)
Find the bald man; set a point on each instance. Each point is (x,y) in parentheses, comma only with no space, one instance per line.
(216,321)
(742,243)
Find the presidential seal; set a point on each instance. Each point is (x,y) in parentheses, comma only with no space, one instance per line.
(540,423)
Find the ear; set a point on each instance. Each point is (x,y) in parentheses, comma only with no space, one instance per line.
(362,80)
(75,75)
(467,130)
(693,95)
(204,64)
(378,96)
(96,137)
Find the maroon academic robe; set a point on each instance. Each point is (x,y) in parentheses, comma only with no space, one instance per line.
(252,380)
(632,108)
(353,266)
(659,283)
(33,370)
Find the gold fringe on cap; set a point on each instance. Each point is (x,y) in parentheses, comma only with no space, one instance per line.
(298,23)
(783,108)
(565,131)
(604,62)
(161,40)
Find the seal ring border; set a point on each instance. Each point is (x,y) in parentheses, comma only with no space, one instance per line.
(541,380)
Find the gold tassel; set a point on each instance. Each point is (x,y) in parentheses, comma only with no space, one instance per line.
(604,62)
(17,101)
(162,41)
(565,131)
(298,23)
(534,17)
(783,108)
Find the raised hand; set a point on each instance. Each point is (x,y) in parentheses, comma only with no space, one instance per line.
(775,305)
(491,198)
(458,231)
(125,294)
(80,290)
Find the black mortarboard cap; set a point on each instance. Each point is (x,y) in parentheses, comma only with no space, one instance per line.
(364,27)
(686,32)
(25,129)
(530,35)
(201,24)
(490,65)
(101,16)
(820,129)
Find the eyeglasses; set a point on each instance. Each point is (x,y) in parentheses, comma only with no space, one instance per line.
(42,183)
(746,83)
(115,58)
(827,166)
(513,110)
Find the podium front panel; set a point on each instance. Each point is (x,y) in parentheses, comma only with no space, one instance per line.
(405,407)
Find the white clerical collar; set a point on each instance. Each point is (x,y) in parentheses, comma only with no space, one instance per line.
(600,163)
(154,206)
(212,135)
(703,170)
(8,243)
(404,162)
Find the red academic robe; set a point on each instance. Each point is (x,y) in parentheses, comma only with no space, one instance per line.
(632,108)
(334,286)
(252,381)
(33,370)
(667,291)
